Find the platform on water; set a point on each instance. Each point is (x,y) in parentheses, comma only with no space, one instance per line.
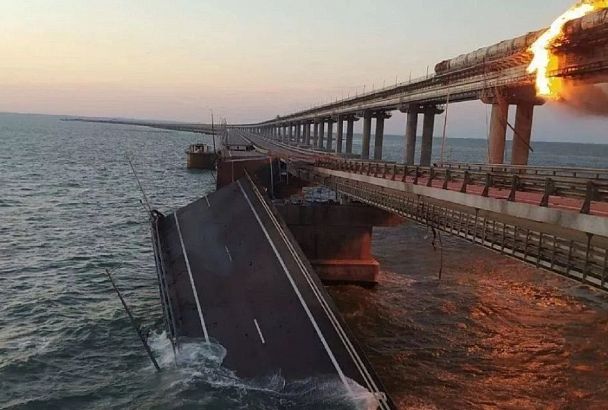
(232,273)
(201,156)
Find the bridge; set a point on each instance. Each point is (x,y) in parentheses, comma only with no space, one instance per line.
(551,217)
(496,75)
(252,253)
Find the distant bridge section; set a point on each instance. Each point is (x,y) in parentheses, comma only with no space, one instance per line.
(496,75)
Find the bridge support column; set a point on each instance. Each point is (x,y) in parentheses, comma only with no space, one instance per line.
(367,129)
(350,127)
(336,239)
(523,133)
(330,134)
(411,128)
(321,134)
(498,132)
(306,133)
(339,134)
(298,132)
(315,139)
(379,137)
(428,127)
(290,140)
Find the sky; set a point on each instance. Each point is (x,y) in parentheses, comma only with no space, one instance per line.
(250,60)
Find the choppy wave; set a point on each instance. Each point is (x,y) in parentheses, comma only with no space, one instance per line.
(197,366)
(489,334)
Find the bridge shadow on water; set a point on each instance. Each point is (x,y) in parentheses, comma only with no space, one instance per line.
(493,332)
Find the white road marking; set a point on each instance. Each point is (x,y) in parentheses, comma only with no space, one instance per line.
(228,252)
(198,303)
(349,347)
(299,295)
(255,322)
(207,199)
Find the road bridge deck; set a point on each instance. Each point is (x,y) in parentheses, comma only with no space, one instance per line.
(555,218)
(233,274)
(566,189)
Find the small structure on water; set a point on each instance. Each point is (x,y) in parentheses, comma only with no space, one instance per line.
(200,156)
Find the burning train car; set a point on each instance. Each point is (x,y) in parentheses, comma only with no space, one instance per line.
(589,37)
(517,49)
(506,49)
(592,21)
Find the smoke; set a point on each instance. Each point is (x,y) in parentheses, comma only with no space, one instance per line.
(586,99)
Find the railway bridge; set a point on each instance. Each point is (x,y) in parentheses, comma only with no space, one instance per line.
(496,75)
(555,218)
(552,217)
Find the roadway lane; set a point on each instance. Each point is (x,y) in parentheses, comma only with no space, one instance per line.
(249,288)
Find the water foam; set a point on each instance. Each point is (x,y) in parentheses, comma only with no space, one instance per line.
(198,363)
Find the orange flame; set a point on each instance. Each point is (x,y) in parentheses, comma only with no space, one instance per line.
(544,60)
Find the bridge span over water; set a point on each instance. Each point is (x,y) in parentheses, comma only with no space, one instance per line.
(496,75)
(242,253)
(552,217)
(555,218)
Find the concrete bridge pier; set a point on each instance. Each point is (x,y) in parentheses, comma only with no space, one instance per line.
(330,134)
(523,132)
(315,139)
(367,129)
(337,239)
(339,134)
(428,127)
(350,127)
(321,134)
(306,133)
(302,133)
(379,137)
(498,132)
(290,140)
(524,98)
(298,133)
(411,129)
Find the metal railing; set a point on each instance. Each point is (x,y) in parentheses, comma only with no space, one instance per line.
(584,185)
(582,257)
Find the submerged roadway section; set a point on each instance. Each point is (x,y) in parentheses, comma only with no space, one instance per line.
(235,276)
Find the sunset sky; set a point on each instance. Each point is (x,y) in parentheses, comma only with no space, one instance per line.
(250,60)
